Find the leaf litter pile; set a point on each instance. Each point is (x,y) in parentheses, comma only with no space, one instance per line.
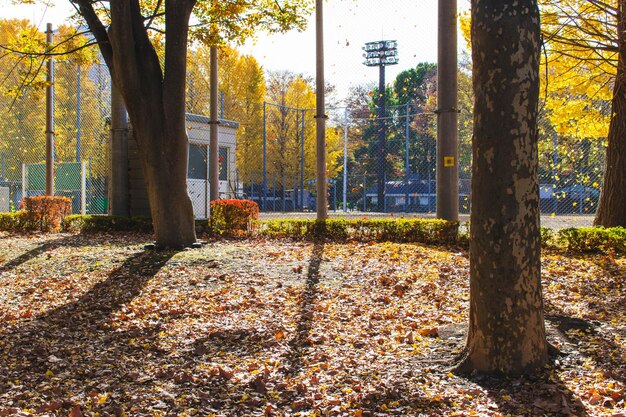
(98,326)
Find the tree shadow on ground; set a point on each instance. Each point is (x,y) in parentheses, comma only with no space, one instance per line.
(62,353)
(540,394)
(246,395)
(240,341)
(590,339)
(46,246)
(75,353)
(306,311)
(245,342)
(50,245)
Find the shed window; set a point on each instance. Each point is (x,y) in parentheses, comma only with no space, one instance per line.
(197,168)
(223,161)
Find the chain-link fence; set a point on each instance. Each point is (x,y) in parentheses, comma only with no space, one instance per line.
(81,112)
(380,161)
(570,172)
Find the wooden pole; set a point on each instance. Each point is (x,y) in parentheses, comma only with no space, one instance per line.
(214,169)
(50,116)
(320,117)
(447,120)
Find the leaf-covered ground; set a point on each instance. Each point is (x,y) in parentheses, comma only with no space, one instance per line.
(96,326)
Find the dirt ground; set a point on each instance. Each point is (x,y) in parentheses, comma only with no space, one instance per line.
(98,326)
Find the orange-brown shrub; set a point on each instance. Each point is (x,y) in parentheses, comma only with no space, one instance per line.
(228,216)
(45,213)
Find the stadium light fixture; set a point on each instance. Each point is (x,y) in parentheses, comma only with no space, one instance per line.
(380,54)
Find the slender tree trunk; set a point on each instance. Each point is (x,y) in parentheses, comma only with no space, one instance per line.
(506,326)
(612,207)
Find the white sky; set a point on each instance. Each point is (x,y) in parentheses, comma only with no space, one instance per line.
(348,25)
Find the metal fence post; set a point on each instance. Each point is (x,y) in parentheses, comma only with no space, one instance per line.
(345,159)
(284,187)
(555,161)
(214,165)
(274,194)
(302,163)
(364,193)
(83,188)
(24,179)
(264,155)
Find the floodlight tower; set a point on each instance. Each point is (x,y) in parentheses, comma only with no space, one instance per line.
(380,54)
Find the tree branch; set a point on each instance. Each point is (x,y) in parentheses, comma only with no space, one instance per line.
(48,53)
(155,13)
(98,30)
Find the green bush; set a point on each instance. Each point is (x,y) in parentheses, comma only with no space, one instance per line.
(406,230)
(401,230)
(548,237)
(102,223)
(12,222)
(335,229)
(428,231)
(593,239)
(78,223)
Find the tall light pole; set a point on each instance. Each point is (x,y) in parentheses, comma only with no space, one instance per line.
(380,54)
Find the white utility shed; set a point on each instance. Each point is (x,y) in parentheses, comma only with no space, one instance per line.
(198,169)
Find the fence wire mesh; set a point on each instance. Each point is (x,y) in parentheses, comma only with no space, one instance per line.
(380,162)
(81,114)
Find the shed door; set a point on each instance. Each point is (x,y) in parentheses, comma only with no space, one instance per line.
(197,180)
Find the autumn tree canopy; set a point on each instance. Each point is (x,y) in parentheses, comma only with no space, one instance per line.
(22,98)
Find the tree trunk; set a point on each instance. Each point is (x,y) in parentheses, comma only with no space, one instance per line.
(163,154)
(155,100)
(612,207)
(506,326)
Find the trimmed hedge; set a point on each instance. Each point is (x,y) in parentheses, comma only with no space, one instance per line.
(78,223)
(428,231)
(232,216)
(12,222)
(303,229)
(103,223)
(44,213)
(592,239)
(401,230)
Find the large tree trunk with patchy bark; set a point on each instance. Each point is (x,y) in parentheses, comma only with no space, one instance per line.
(155,100)
(506,325)
(612,207)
